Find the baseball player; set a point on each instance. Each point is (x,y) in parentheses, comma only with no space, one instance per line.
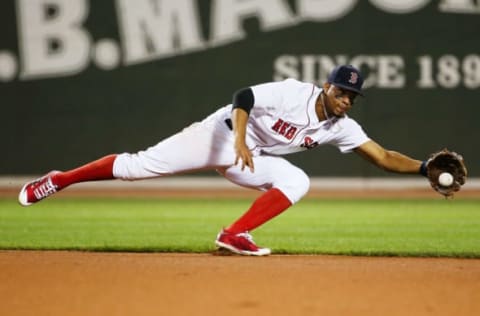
(244,142)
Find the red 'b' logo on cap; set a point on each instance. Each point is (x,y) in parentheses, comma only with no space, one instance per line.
(353,78)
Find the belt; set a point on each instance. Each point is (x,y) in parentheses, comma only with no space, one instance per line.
(228,122)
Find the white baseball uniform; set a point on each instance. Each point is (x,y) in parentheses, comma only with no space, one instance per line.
(282,121)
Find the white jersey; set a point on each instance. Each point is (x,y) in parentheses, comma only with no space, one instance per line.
(283,121)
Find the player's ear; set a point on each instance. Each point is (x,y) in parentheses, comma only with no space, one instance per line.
(326,86)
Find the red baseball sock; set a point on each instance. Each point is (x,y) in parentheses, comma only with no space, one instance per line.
(101,169)
(268,205)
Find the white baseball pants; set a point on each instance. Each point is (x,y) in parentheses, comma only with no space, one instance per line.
(208,145)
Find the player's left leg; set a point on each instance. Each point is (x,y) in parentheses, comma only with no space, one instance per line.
(282,189)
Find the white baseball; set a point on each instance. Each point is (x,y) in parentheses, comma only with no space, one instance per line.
(445,179)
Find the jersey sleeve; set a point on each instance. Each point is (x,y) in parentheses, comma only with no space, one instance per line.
(350,136)
(266,95)
(271,95)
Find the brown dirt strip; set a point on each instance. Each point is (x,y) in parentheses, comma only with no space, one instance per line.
(84,283)
(247,193)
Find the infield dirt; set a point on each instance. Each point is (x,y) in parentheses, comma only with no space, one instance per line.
(88,283)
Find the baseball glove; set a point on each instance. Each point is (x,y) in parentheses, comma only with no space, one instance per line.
(446,161)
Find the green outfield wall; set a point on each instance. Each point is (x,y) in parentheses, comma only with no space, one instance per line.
(80,79)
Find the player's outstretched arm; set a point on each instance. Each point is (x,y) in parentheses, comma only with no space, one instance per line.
(387,159)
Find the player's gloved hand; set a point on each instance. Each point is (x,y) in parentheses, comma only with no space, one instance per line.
(446,161)
(243,155)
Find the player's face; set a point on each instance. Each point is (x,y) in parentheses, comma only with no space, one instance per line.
(338,101)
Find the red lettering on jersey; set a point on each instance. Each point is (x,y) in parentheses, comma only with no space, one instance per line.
(309,143)
(291,132)
(283,128)
(277,125)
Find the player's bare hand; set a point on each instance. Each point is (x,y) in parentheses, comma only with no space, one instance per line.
(244,156)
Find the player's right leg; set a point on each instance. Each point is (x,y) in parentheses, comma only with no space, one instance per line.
(54,181)
(204,145)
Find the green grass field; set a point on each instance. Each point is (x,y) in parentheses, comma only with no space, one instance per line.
(449,228)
